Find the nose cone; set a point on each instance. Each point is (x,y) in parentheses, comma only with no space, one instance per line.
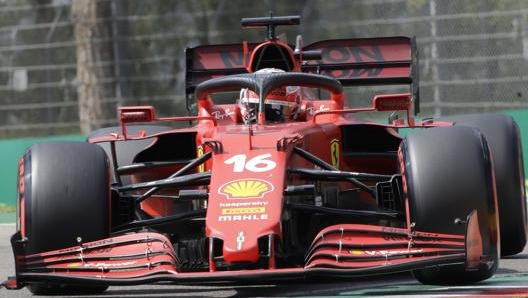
(245,206)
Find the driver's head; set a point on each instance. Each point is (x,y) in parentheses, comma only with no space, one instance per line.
(282,104)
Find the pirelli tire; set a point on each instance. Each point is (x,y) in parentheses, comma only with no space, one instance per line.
(504,139)
(66,197)
(447,173)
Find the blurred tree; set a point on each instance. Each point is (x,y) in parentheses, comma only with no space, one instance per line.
(93,48)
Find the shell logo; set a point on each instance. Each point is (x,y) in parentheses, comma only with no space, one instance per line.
(245,189)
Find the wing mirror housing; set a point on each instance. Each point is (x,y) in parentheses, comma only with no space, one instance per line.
(134,114)
(392,102)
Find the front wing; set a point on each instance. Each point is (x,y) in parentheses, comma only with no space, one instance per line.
(342,250)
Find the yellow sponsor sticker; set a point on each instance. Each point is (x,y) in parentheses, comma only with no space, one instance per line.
(250,210)
(356,252)
(334,153)
(199,153)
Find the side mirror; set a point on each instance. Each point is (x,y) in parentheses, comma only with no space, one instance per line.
(392,102)
(136,114)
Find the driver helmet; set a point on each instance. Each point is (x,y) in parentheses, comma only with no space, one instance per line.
(282,104)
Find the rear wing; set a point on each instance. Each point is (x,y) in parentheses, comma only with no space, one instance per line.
(364,61)
(354,62)
(211,61)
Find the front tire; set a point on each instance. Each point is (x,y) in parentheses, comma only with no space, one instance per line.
(66,197)
(504,140)
(447,173)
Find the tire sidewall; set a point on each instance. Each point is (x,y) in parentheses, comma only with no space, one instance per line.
(503,136)
(447,174)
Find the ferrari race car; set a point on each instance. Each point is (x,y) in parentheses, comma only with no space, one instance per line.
(275,177)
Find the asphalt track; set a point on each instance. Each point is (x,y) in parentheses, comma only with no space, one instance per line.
(511,280)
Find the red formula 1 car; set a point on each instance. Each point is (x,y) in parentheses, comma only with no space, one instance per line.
(275,179)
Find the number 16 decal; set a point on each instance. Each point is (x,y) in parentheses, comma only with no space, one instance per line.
(257,164)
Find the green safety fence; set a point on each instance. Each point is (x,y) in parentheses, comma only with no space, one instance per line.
(11,150)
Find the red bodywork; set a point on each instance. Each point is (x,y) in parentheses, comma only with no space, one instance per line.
(255,177)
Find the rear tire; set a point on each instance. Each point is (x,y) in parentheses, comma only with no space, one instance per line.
(67,195)
(504,140)
(447,173)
